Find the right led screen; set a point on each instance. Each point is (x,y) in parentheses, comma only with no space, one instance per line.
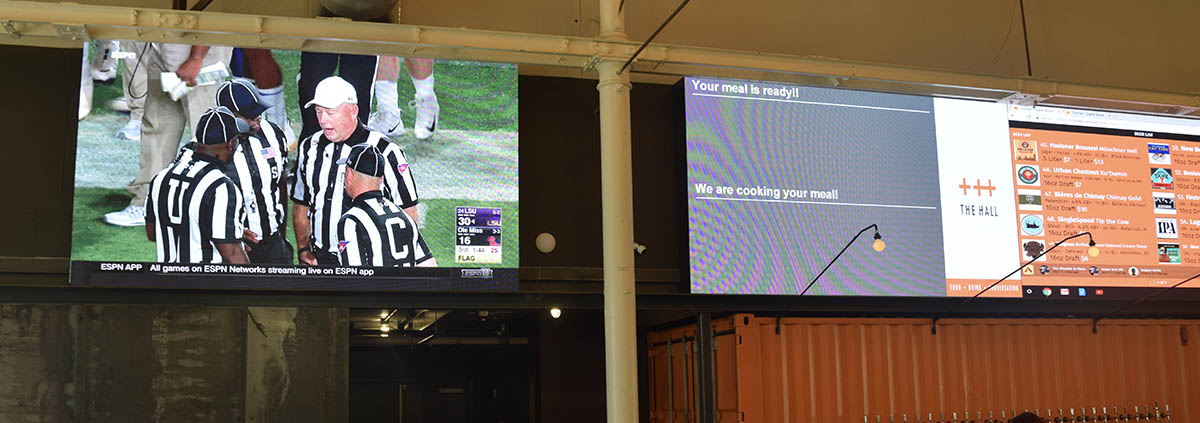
(781,176)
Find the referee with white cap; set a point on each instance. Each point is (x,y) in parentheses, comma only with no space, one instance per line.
(318,192)
(374,231)
(194,212)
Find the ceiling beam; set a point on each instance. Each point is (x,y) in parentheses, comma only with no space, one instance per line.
(66,25)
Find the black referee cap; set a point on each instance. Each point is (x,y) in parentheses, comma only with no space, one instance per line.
(241,97)
(365,159)
(218,125)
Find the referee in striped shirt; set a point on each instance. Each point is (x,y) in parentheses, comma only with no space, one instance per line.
(374,231)
(260,171)
(194,212)
(318,192)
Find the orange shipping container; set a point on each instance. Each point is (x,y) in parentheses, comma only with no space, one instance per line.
(842,370)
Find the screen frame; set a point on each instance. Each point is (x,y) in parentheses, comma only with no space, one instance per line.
(821,305)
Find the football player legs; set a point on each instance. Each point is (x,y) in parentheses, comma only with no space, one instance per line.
(265,72)
(387,118)
(425,100)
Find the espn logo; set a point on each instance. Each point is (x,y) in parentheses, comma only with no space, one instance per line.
(481,273)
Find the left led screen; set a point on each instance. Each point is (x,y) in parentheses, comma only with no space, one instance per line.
(401,175)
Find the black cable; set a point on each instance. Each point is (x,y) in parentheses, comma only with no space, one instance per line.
(655,34)
(133,74)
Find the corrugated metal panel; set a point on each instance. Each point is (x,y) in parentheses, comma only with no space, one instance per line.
(840,370)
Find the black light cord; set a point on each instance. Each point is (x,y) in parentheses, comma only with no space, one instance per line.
(827,265)
(1091,243)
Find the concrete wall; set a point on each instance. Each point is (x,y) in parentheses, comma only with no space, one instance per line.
(93,363)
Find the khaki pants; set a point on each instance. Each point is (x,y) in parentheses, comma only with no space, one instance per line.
(135,82)
(164,120)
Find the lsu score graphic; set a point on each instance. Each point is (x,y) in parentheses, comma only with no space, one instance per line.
(478,240)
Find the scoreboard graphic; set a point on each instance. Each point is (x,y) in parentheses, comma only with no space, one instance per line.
(478,235)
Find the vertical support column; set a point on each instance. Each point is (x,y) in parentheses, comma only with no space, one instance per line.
(616,194)
(706,388)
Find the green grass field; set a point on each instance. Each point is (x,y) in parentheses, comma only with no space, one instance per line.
(474,146)
(93,240)
(473,96)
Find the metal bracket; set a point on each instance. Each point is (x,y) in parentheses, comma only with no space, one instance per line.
(176,20)
(9,29)
(1020,99)
(591,64)
(72,32)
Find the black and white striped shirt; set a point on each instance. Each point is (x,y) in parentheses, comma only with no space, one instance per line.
(320,185)
(258,165)
(376,232)
(194,206)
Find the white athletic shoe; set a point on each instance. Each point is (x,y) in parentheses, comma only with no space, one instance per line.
(131,131)
(119,105)
(427,115)
(388,123)
(104,76)
(130,216)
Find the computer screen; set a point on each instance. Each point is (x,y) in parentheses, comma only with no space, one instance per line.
(309,170)
(781,177)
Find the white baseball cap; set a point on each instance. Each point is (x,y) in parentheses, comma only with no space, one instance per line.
(332,92)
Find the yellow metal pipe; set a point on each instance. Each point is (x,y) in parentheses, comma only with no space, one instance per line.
(50,24)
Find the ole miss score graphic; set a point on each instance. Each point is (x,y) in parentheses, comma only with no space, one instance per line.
(477,239)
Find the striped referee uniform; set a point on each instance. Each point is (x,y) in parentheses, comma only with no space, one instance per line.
(320,182)
(258,164)
(194,205)
(375,232)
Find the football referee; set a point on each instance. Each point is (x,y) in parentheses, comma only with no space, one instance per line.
(260,169)
(374,231)
(318,192)
(194,212)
